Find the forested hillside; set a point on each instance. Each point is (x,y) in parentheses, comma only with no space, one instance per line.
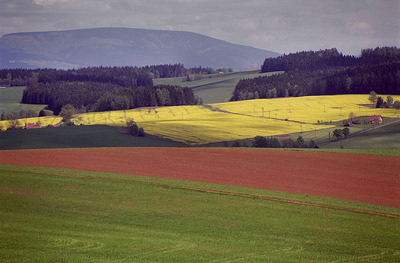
(121,47)
(99,88)
(325,72)
(124,76)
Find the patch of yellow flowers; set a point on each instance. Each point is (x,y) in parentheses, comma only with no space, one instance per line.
(234,120)
(310,109)
(40,121)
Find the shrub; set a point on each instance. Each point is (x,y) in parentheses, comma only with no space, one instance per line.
(141,133)
(300,141)
(288,143)
(313,144)
(266,142)
(67,112)
(260,142)
(379,102)
(338,133)
(236,144)
(346,132)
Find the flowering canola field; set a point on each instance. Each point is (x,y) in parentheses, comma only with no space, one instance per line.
(234,120)
(42,121)
(194,124)
(310,109)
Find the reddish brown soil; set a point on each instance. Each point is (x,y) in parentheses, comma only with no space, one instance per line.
(355,177)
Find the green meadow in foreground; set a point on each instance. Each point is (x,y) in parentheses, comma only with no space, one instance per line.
(47,216)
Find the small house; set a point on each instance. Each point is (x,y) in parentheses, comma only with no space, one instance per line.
(31,126)
(376,119)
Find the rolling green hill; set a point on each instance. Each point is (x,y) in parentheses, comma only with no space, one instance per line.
(10,99)
(59,215)
(213,88)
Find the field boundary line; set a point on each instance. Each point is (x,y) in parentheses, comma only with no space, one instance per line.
(275,199)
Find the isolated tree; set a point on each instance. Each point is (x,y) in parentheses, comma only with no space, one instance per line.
(67,112)
(313,144)
(300,141)
(372,97)
(389,100)
(396,105)
(141,133)
(338,133)
(42,113)
(351,118)
(346,132)
(379,102)
(133,129)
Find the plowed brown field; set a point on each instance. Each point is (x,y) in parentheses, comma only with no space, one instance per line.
(355,177)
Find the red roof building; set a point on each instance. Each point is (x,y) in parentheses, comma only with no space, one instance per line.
(31,126)
(376,119)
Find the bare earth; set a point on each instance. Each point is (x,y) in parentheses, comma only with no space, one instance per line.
(354,177)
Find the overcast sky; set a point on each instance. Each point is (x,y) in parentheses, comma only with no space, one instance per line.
(282,26)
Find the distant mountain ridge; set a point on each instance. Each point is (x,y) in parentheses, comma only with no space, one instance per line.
(124,47)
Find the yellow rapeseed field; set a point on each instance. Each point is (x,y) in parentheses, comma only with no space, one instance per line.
(41,121)
(233,120)
(310,109)
(195,124)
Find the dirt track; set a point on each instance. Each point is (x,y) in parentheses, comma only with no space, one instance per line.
(355,177)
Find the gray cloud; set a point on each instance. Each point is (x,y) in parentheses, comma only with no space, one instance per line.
(278,25)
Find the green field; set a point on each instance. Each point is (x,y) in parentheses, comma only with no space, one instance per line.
(213,88)
(198,125)
(387,137)
(48,216)
(77,137)
(10,99)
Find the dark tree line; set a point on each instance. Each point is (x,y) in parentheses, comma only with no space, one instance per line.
(325,73)
(99,88)
(273,142)
(308,60)
(330,58)
(122,76)
(94,96)
(176,70)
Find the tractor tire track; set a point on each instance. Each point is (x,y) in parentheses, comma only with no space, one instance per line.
(272,199)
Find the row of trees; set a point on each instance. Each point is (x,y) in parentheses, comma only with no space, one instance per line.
(273,142)
(381,103)
(176,70)
(122,76)
(325,73)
